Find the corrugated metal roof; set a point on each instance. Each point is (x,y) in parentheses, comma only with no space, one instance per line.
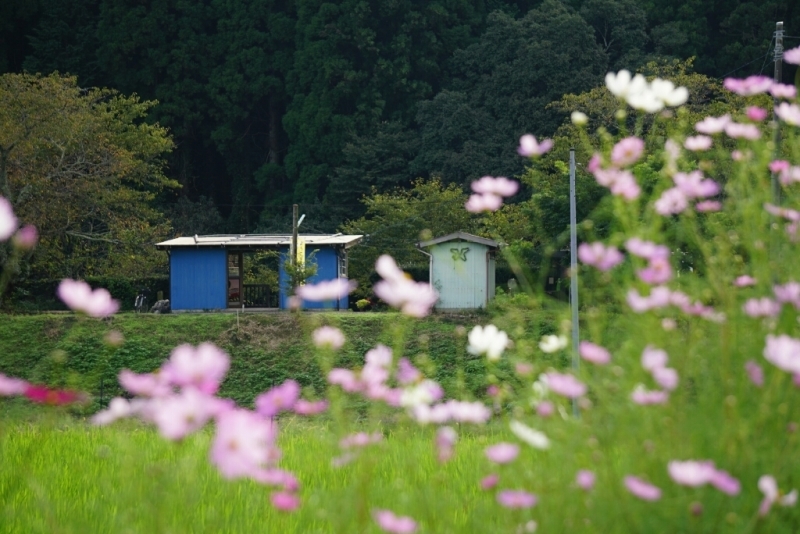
(462,236)
(257,240)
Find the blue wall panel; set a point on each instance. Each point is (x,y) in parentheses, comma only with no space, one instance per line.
(327,269)
(198,279)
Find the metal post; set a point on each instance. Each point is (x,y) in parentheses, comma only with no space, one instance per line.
(778,77)
(573,268)
(293,248)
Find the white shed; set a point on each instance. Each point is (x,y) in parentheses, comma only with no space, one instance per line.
(461,270)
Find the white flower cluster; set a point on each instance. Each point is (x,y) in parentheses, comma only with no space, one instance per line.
(649,97)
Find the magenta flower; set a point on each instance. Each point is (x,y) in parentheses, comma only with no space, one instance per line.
(779,165)
(483,202)
(712,125)
(52,397)
(203,367)
(790,113)
(755,113)
(783,352)
(724,482)
(691,473)
(446,438)
(412,298)
(698,143)
(585,479)
(565,384)
(643,397)
(782,90)
(666,377)
(500,186)
(278,399)
(792,56)
(389,522)
(752,85)
(594,353)
(328,336)
(516,499)
(26,237)
(502,453)
(489,481)
(326,290)
(79,297)
(627,152)
(305,407)
(642,489)
(8,221)
(244,444)
(285,501)
(599,256)
(12,386)
(529,147)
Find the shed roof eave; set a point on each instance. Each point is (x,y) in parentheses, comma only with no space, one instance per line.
(462,236)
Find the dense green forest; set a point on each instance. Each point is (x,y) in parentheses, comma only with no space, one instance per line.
(274,102)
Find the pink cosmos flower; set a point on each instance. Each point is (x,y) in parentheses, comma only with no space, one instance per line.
(691,473)
(500,186)
(345,378)
(653,358)
(782,90)
(742,131)
(516,499)
(8,221)
(594,353)
(278,399)
(406,372)
(694,185)
(754,372)
(724,482)
(52,397)
(184,413)
(412,298)
(118,408)
(783,352)
(643,397)
(452,410)
(146,385)
(594,163)
(529,147)
(646,249)
(786,213)
(769,487)
(627,152)
(708,205)
(285,501)
(625,186)
(203,367)
(763,307)
(792,56)
(755,113)
(502,453)
(658,271)
(326,290)
(599,256)
(779,165)
(446,438)
(490,481)
(744,281)
(752,85)
(389,522)
(698,143)
(244,444)
(26,237)
(79,297)
(671,202)
(666,377)
(328,336)
(565,384)
(738,155)
(12,386)
(788,293)
(483,202)
(790,113)
(585,479)
(712,125)
(790,175)
(305,407)
(642,489)
(360,439)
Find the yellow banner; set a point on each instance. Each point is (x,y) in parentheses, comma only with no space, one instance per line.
(300,258)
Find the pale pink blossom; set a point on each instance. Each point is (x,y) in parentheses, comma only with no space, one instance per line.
(118,408)
(516,499)
(446,438)
(278,399)
(594,163)
(528,146)
(790,175)
(328,336)
(184,413)
(412,298)
(425,392)
(600,256)
(389,522)
(10,386)
(203,366)
(754,372)
(779,165)
(642,489)
(243,444)
(666,377)
(742,131)
(786,213)
(285,501)
(752,85)
(659,298)
(658,271)
(691,473)
(712,125)
(695,185)
(790,113)
(594,353)
(360,440)
(755,113)
(788,293)
(792,56)
(769,487)
(305,407)
(708,205)
(724,482)
(698,143)
(627,152)
(644,397)
(79,297)
(646,249)
(782,90)
(483,202)
(783,352)
(8,221)
(502,453)
(671,202)
(545,409)
(326,290)
(489,481)
(26,237)
(500,186)
(451,411)
(625,186)
(147,385)
(738,155)
(406,372)
(763,307)
(565,385)
(585,479)
(345,378)
(744,281)
(653,358)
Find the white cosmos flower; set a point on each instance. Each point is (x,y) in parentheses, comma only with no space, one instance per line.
(531,436)
(487,340)
(552,343)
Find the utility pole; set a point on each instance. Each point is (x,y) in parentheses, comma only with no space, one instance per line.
(776,136)
(573,268)
(293,248)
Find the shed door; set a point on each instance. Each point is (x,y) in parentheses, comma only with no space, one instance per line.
(235,265)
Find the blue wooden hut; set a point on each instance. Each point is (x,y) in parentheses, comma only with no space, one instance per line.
(206,272)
